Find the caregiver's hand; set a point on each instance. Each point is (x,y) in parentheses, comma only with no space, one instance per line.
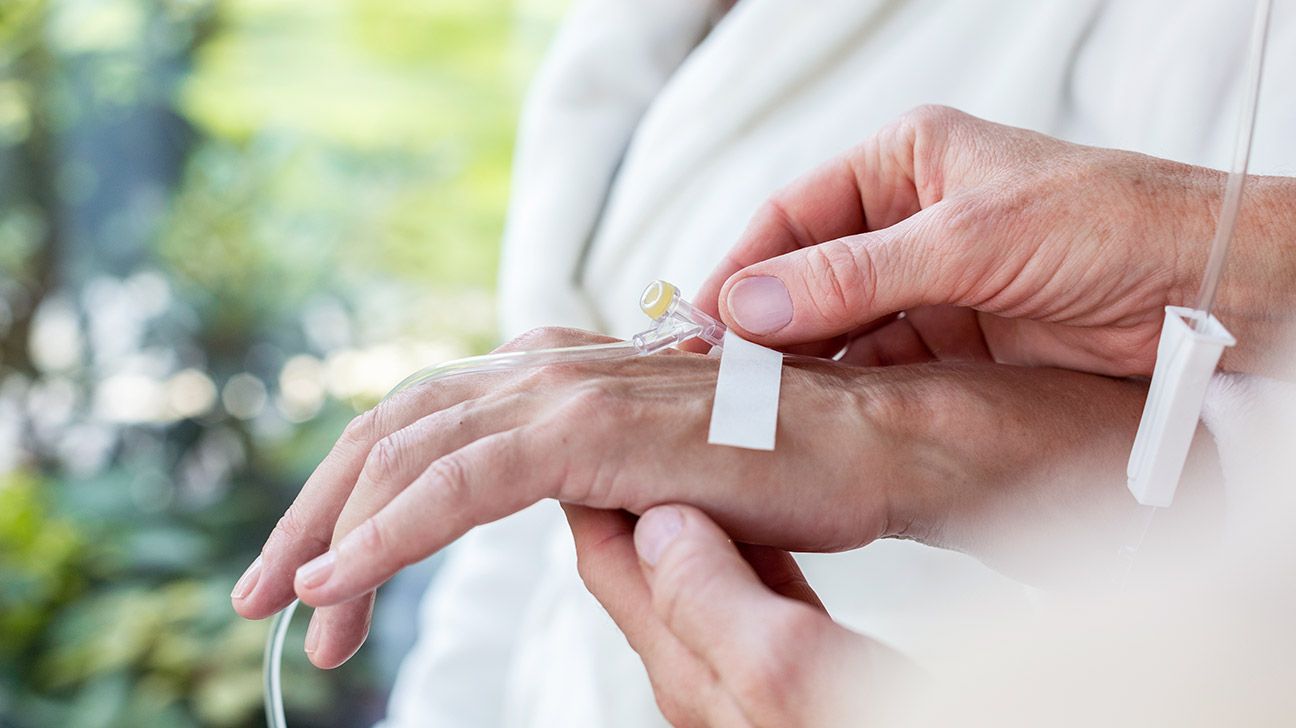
(1006,244)
(731,636)
(862,454)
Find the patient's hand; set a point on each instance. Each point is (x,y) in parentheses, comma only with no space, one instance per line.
(939,452)
(730,636)
(1006,244)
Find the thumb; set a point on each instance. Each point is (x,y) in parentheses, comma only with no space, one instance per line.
(708,595)
(835,287)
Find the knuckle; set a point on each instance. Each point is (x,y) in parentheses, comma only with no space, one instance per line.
(290,524)
(449,474)
(774,212)
(586,406)
(293,527)
(373,536)
(929,133)
(929,119)
(969,224)
(968,215)
(591,402)
(841,277)
(386,458)
(547,377)
(380,546)
(368,427)
(360,429)
(672,710)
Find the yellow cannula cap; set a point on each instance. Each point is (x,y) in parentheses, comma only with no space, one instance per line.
(657,299)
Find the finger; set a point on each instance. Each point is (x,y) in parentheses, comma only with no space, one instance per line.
(828,289)
(686,690)
(482,482)
(783,660)
(869,188)
(831,347)
(895,261)
(835,346)
(895,344)
(822,205)
(306,527)
(304,531)
(323,647)
(931,333)
(606,560)
(712,599)
(779,571)
(950,333)
(391,466)
(397,459)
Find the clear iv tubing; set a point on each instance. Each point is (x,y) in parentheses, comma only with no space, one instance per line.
(1224,231)
(1241,161)
(675,321)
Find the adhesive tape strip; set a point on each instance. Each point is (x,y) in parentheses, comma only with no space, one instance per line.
(745,413)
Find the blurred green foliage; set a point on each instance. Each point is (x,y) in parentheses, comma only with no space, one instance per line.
(387,125)
(195,193)
(39,556)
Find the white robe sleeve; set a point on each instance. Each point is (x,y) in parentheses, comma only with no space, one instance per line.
(1253,419)
(468,626)
(605,68)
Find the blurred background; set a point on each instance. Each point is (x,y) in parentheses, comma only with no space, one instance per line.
(225,227)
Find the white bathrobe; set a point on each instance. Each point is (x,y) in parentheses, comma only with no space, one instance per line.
(653,131)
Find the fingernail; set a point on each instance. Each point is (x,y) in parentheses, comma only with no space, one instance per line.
(760,304)
(248,581)
(316,571)
(312,635)
(655,531)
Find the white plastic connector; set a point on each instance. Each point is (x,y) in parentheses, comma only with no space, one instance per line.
(1186,359)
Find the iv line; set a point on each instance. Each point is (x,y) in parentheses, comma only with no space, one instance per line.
(1178,350)
(1241,161)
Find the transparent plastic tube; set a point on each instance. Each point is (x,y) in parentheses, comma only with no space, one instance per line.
(272,667)
(675,321)
(1241,161)
(1224,233)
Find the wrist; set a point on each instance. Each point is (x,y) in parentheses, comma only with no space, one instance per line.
(990,446)
(940,418)
(1256,299)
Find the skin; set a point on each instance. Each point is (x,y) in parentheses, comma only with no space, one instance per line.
(876,452)
(1000,243)
(724,629)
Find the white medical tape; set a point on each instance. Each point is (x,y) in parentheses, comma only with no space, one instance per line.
(745,413)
